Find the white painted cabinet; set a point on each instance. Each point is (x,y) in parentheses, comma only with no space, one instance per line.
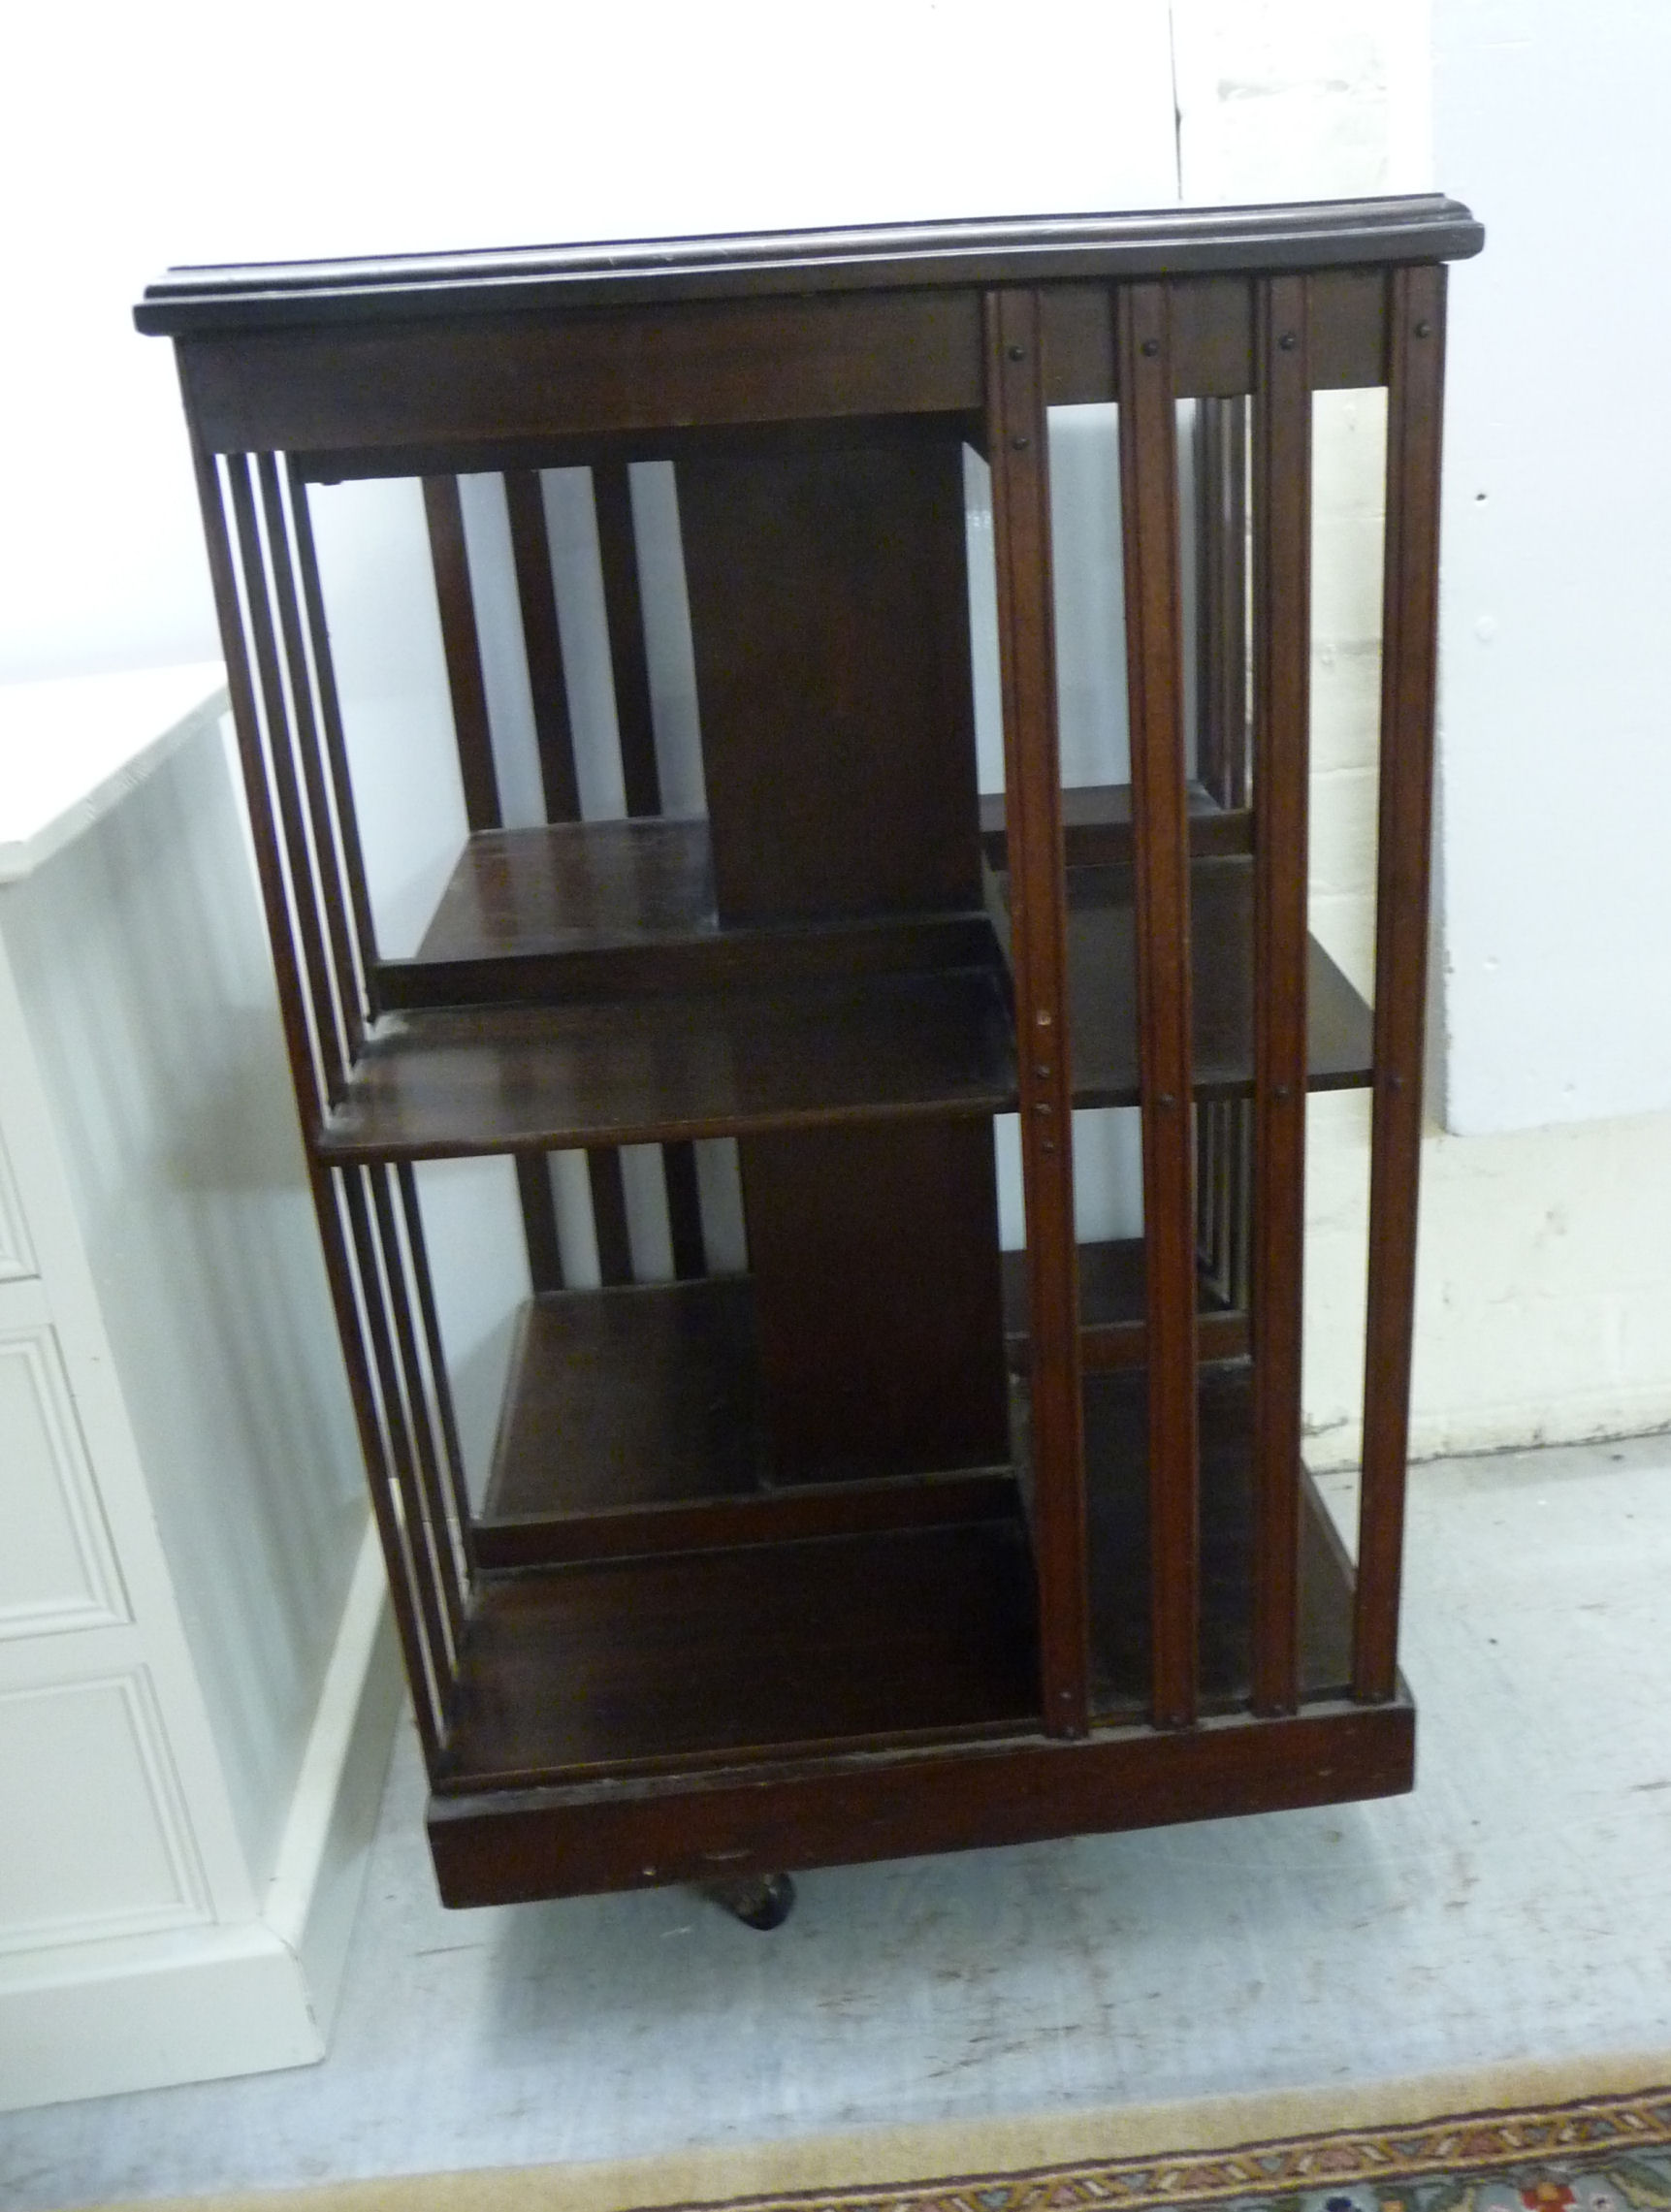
(197,1690)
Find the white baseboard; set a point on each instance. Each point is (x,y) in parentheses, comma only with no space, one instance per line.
(90,2019)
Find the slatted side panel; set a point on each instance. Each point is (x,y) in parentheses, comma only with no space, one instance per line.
(1282,685)
(617,555)
(1415,391)
(1223,1127)
(285,705)
(560,783)
(1017,442)
(1149,508)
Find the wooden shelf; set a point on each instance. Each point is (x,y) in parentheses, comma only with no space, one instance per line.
(1102,976)
(1112,1312)
(574,988)
(874,1639)
(578,911)
(641,1071)
(1097,826)
(633,1422)
(1116,1481)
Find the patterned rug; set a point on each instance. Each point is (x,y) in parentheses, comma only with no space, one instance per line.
(1596,2155)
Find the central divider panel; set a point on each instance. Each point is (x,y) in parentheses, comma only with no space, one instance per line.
(829,616)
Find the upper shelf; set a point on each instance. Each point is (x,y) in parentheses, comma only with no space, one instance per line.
(1172,242)
(634,1070)
(576,988)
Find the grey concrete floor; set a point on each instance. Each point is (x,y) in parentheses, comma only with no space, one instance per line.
(1517,1907)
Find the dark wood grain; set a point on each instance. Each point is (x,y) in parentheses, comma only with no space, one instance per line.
(634,1422)
(629,666)
(1103,967)
(608,1191)
(1149,493)
(302,905)
(430,1321)
(1097,826)
(1017,442)
(807,263)
(1347,311)
(538,1204)
(1282,770)
(1112,1306)
(418,1388)
(436,1615)
(525,379)
(644,1396)
(685,1230)
(1409,654)
(1212,353)
(349,1302)
(492,1849)
(330,731)
(633,1665)
(450,560)
(616,908)
(509,1079)
(328,868)
(1116,1474)
(875,1257)
(543,644)
(829,616)
(258,791)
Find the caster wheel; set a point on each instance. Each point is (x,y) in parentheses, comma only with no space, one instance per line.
(760,1900)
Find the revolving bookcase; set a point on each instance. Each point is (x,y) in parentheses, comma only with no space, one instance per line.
(892,1539)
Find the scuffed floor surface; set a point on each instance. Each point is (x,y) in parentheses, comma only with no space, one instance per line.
(1517,1907)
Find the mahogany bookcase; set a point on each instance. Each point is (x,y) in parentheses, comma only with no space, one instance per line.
(896,1541)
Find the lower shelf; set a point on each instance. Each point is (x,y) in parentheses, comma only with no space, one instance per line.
(634,1424)
(1117,1501)
(621,1666)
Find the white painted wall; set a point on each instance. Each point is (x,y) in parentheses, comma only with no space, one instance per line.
(149,996)
(1550,118)
(189,130)
(191,133)
(1543,1291)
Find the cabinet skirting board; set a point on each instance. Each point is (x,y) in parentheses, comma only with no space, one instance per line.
(96,2018)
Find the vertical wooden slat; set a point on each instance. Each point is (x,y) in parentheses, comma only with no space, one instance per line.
(543,644)
(427,1694)
(450,561)
(454,1458)
(609,1216)
(331,721)
(618,552)
(1282,683)
(1221,527)
(428,1451)
(539,1222)
(281,766)
(1222,765)
(406,1530)
(1017,430)
(426,1685)
(1154,645)
(449,556)
(325,853)
(684,1212)
(1409,652)
(629,662)
(258,790)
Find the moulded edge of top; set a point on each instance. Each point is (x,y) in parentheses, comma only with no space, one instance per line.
(1167,242)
